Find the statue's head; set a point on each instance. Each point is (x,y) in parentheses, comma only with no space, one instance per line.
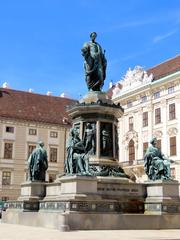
(93,35)
(153,140)
(74,132)
(41,143)
(89,126)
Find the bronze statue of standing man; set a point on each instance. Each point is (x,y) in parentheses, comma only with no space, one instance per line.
(95,64)
(38,163)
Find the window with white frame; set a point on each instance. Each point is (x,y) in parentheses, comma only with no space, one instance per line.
(129,103)
(131,123)
(6,178)
(32,131)
(172,141)
(8,150)
(157,115)
(170,89)
(131,151)
(157,95)
(53,154)
(172,111)
(144,99)
(173,172)
(9,129)
(53,134)
(31,147)
(145,119)
(145,146)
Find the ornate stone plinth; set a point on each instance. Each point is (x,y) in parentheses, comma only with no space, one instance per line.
(98,111)
(162,197)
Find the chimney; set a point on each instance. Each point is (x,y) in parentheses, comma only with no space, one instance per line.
(5,85)
(111,84)
(49,93)
(30,90)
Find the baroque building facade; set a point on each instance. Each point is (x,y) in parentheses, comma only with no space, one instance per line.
(151,102)
(25,119)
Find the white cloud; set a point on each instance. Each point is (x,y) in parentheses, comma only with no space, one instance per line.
(162,37)
(130,24)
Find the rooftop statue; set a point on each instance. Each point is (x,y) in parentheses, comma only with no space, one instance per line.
(94,64)
(77,161)
(156,165)
(38,163)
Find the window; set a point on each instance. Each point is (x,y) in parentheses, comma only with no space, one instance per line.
(32,131)
(159,143)
(172,111)
(129,103)
(170,89)
(131,151)
(172,141)
(145,119)
(52,177)
(53,154)
(9,129)
(53,134)
(30,149)
(8,150)
(144,99)
(6,178)
(156,95)
(4,198)
(131,123)
(145,146)
(173,173)
(157,115)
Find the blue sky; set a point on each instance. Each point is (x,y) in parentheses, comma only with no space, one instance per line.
(41,40)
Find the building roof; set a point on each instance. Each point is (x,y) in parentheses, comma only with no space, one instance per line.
(33,107)
(165,68)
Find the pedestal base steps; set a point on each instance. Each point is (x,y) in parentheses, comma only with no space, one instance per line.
(98,203)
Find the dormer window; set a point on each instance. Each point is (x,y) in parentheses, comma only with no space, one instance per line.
(129,103)
(170,89)
(144,99)
(157,95)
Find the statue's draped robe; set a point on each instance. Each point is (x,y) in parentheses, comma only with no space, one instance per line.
(155,164)
(95,65)
(38,164)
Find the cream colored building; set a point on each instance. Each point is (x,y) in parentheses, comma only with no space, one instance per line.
(151,102)
(26,118)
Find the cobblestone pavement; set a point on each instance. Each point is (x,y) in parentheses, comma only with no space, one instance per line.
(19,232)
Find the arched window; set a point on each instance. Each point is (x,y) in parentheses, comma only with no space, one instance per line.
(131,151)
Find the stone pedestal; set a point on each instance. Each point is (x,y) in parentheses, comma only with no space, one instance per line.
(97,110)
(31,193)
(72,187)
(95,96)
(98,203)
(162,197)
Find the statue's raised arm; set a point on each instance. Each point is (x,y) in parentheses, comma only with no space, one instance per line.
(95,64)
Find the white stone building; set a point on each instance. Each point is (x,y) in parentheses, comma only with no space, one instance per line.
(151,102)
